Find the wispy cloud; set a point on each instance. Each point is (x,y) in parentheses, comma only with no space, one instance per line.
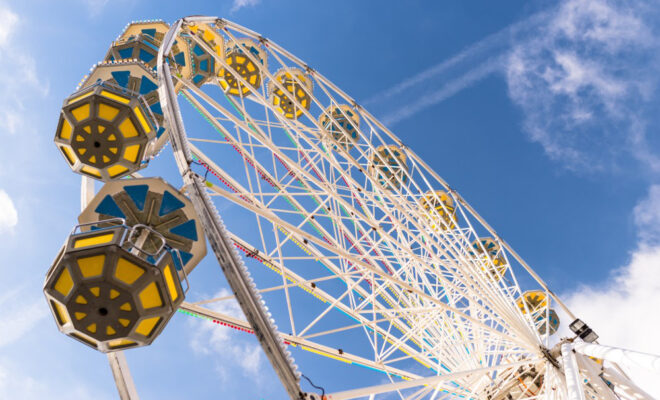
(228,347)
(443,92)
(8,214)
(19,81)
(20,312)
(238,4)
(587,82)
(647,217)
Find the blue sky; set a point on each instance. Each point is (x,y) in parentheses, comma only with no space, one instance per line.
(543,115)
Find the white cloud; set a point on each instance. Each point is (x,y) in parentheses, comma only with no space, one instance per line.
(18,316)
(647,217)
(8,214)
(238,4)
(623,312)
(587,83)
(20,82)
(229,347)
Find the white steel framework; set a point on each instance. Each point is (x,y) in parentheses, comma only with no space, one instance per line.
(360,238)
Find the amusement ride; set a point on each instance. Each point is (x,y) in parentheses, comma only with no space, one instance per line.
(352,234)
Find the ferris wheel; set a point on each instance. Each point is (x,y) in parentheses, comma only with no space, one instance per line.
(349,241)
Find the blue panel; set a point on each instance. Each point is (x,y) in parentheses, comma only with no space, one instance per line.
(150,32)
(185,257)
(188,230)
(146,85)
(146,56)
(156,108)
(204,65)
(180,59)
(170,203)
(137,193)
(121,77)
(126,53)
(198,50)
(198,78)
(160,132)
(109,207)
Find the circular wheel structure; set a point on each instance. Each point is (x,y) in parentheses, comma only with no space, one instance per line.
(362,253)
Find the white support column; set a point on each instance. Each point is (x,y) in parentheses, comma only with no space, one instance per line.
(572,374)
(620,356)
(122,375)
(117,360)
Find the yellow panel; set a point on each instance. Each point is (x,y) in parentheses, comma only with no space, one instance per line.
(82,151)
(115,97)
(81,112)
(250,66)
(91,171)
(147,326)
(170,283)
(126,307)
(65,132)
(87,129)
(62,315)
(84,339)
(127,128)
(150,296)
(96,291)
(116,170)
(120,343)
(101,128)
(208,36)
(91,266)
(112,149)
(80,315)
(106,159)
(109,331)
(107,112)
(79,138)
(127,272)
(92,159)
(81,300)
(124,322)
(131,152)
(68,154)
(94,240)
(142,120)
(80,97)
(113,294)
(92,328)
(64,282)
(112,138)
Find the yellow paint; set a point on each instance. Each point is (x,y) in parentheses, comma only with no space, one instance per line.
(87,129)
(131,152)
(92,159)
(142,120)
(90,171)
(64,283)
(91,266)
(116,170)
(94,240)
(126,307)
(92,328)
(322,353)
(107,112)
(82,150)
(170,283)
(80,315)
(120,343)
(208,36)
(101,128)
(128,129)
(79,138)
(112,138)
(109,331)
(96,291)
(113,150)
(68,154)
(127,272)
(124,322)
(80,97)
(84,339)
(150,296)
(145,327)
(61,314)
(80,113)
(115,97)
(81,300)
(106,159)
(113,294)
(65,132)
